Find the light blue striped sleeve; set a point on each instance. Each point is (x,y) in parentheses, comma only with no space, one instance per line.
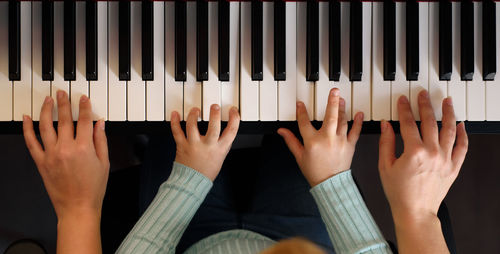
(167,217)
(350,225)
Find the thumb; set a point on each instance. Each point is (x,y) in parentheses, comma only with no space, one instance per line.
(101,142)
(386,145)
(292,142)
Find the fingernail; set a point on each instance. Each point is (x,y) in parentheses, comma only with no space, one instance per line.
(102,124)
(215,106)
(360,116)
(342,102)
(383,125)
(26,118)
(424,94)
(403,100)
(47,99)
(299,104)
(449,101)
(84,98)
(60,94)
(335,92)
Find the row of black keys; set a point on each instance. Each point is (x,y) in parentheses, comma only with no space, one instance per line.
(312,45)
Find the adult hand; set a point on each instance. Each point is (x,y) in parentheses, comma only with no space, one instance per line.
(74,169)
(204,154)
(329,150)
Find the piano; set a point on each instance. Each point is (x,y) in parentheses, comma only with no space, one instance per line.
(140,60)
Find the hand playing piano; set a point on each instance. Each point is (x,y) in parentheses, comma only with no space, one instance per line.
(204,154)
(417,182)
(329,150)
(74,170)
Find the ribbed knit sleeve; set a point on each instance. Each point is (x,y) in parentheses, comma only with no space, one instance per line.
(167,217)
(348,221)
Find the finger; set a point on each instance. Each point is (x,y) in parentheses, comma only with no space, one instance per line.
(32,143)
(292,142)
(46,126)
(65,126)
(84,128)
(461,146)
(101,142)
(428,124)
(342,125)
(192,125)
(229,133)
(175,125)
(408,127)
(332,111)
(213,131)
(305,126)
(356,128)
(448,128)
(387,146)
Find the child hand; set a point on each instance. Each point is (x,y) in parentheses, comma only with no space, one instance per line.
(204,154)
(329,150)
(417,182)
(74,170)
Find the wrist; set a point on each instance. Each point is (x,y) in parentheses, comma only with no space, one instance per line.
(83,214)
(414,219)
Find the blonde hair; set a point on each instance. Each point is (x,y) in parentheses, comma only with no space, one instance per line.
(296,245)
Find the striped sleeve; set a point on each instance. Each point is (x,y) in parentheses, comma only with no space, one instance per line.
(167,217)
(348,221)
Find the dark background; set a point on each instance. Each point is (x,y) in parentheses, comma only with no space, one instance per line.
(26,212)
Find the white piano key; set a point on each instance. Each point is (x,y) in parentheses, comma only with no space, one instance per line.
(287,90)
(476,101)
(268,91)
(438,90)
(80,86)
(155,90)
(456,87)
(173,89)
(323,85)
(98,90)
(423,76)
(361,90)
(5,84)
(40,88)
(305,89)
(58,83)
(381,90)
(230,90)
(136,87)
(493,87)
(249,90)
(117,89)
(192,88)
(22,88)
(212,87)
(344,83)
(400,86)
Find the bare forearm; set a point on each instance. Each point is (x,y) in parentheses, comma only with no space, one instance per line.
(79,233)
(420,234)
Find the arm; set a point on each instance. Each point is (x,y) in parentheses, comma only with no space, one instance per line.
(74,171)
(417,182)
(197,163)
(325,159)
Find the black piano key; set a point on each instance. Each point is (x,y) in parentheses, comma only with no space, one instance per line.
(312,41)
(14,40)
(201,40)
(412,40)
(279,40)
(257,40)
(180,40)
(445,48)
(124,40)
(48,40)
(356,41)
(334,40)
(489,40)
(91,39)
(147,40)
(223,22)
(389,40)
(69,40)
(467,40)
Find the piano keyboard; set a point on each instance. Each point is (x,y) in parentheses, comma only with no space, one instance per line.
(141,60)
